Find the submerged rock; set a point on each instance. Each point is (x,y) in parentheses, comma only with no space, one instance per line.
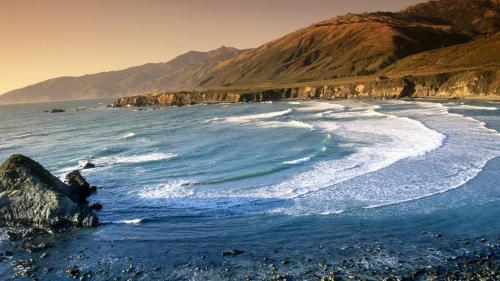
(231,253)
(57,110)
(88,165)
(31,196)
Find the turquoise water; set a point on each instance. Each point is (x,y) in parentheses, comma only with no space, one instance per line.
(355,186)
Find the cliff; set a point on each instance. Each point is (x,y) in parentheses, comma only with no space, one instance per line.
(466,84)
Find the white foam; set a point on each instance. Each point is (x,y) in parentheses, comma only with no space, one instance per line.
(212,119)
(297,161)
(295,102)
(172,189)
(320,106)
(21,136)
(471,107)
(397,157)
(326,126)
(253,117)
(468,147)
(368,112)
(285,124)
(157,156)
(268,102)
(128,135)
(130,221)
(392,139)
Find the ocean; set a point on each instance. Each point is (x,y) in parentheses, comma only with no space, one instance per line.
(292,188)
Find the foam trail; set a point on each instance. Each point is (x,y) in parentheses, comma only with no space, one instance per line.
(253,117)
(393,139)
(471,107)
(157,156)
(128,135)
(320,106)
(21,136)
(468,148)
(130,221)
(285,124)
(396,138)
(297,161)
(172,189)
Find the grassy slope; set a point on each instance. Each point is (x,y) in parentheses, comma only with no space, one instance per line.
(346,46)
(481,53)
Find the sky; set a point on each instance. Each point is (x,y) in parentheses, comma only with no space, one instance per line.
(45,39)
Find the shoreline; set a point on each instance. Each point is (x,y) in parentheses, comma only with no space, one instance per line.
(468,85)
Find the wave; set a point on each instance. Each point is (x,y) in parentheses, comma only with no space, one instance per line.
(468,148)
(172,189)
(326,126)
(320,106)
(471,107)
(212,119)
(285,124)
(393,139)
(350,114)
(253,117)
(129,221)
(128,159)
(298,161)
(21,136)
(128,135)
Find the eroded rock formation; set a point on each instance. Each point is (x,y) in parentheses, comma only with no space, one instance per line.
(445,85)
(31,196)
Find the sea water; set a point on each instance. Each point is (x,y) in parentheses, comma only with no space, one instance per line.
(354,186)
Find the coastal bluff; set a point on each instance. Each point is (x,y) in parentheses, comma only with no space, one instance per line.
(466,84)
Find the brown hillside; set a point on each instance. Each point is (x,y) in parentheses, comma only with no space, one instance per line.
(473,17)
(481,53)
(350,45)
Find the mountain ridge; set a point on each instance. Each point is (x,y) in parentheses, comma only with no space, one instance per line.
(108,84)
(352,45)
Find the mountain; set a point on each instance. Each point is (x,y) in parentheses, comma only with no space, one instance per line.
(434,37)
(472,17)
(174,74)
(483,53)
(351,45)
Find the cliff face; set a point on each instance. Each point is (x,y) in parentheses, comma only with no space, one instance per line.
(484,83)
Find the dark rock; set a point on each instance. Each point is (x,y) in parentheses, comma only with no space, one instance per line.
(93,189)
(73,271)
(231,253)
(96,206)
(78,186)
(32,197)
(88,165)
(57,110)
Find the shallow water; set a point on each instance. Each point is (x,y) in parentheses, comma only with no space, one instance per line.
(310,182)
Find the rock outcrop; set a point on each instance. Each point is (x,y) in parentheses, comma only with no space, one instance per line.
(479,83)
(31,196)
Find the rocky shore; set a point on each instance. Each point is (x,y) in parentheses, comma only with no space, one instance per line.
(32,197)
(465,84)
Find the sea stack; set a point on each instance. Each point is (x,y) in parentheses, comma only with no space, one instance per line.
(31,196)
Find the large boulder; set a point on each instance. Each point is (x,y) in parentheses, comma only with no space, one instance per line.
(31,196)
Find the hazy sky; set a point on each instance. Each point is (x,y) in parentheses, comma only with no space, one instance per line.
(45,39)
